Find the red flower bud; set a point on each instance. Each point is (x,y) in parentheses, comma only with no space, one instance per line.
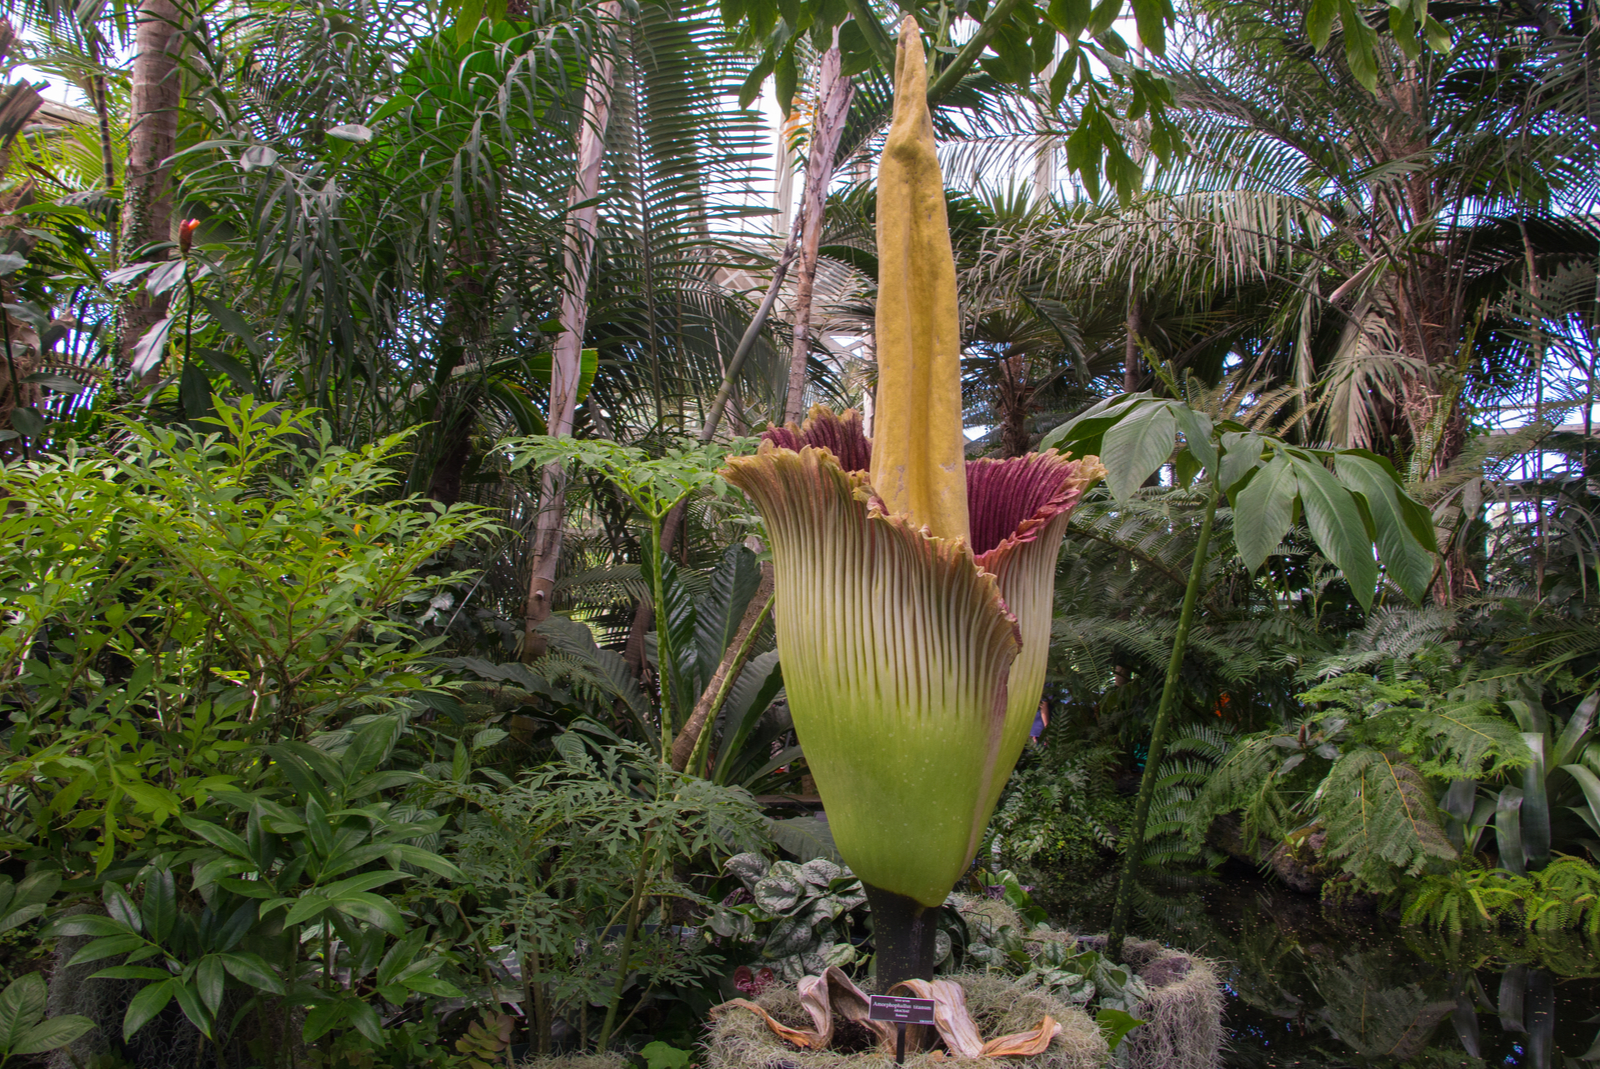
(186,231)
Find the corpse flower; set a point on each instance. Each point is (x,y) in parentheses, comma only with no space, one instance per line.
(913,587)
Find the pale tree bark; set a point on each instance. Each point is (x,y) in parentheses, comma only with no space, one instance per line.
(545,542)
(152,139)
(833,106)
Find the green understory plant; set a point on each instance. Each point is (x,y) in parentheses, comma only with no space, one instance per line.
(1553,805)
(655,484)
(1352,502)
(800,918)
(571,871)
(1060,808)
(1564,894)
(279,909)
(1363,767)
(183,597)
(24,1028)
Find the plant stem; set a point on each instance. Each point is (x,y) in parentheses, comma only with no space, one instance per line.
(903,931)
(664,651)
(1158,734)
(634,905)
(967,58)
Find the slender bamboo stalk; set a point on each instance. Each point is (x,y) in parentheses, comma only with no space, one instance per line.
(1158,734)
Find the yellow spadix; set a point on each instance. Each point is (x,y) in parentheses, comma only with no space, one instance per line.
(918,451)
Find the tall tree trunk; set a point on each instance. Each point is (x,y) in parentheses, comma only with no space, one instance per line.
(1130,354)
(152,139)
(1015,396)
(833,105)
(545,542)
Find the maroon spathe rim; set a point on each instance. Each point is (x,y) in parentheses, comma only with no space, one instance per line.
(1009,501)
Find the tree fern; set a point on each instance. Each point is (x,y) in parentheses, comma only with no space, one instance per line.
(1249,781)
(1380,818)
(1190,762)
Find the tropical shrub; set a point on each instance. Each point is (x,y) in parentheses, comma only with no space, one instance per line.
(1361,767)
(278,899)
(571,871)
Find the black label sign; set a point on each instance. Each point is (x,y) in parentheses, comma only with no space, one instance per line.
(900,1010)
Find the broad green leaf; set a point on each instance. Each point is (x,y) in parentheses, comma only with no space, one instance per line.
(1185,467)
(1589,783)
(307,907)
(1409,564)
(1337,527)
(366,1021)
(423,859)
(1136,446)
(106,947)
(210,980)
(151,347)
(1082,435)
(253,970)
(1263,511)
(364,882)
(1197,429)
(323,1017)
(400,957)
(1319,21)
(217,836)
(1241,454)
(376,911)
(121,907)
(83,924)
(159,908)
(1508,830)
(1577,728)
(1535,806)
(53,1034)
(28,899)
(22,1005)
(1115,1024)
(1360,45)
(151,1000)
(189,1001)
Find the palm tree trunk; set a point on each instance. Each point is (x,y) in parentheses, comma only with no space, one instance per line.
(833,106)
(1131,371)
(152,139)
(545,543)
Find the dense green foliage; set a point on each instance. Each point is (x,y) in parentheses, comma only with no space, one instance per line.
(283,783)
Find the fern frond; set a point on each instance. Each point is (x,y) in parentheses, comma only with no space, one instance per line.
(1380,817)
(1466,740)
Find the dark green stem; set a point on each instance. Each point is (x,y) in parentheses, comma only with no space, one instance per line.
(877,39)
(965,59)
(634,904)
(665,654)
(1134,845)
(188,315)
(903,931)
